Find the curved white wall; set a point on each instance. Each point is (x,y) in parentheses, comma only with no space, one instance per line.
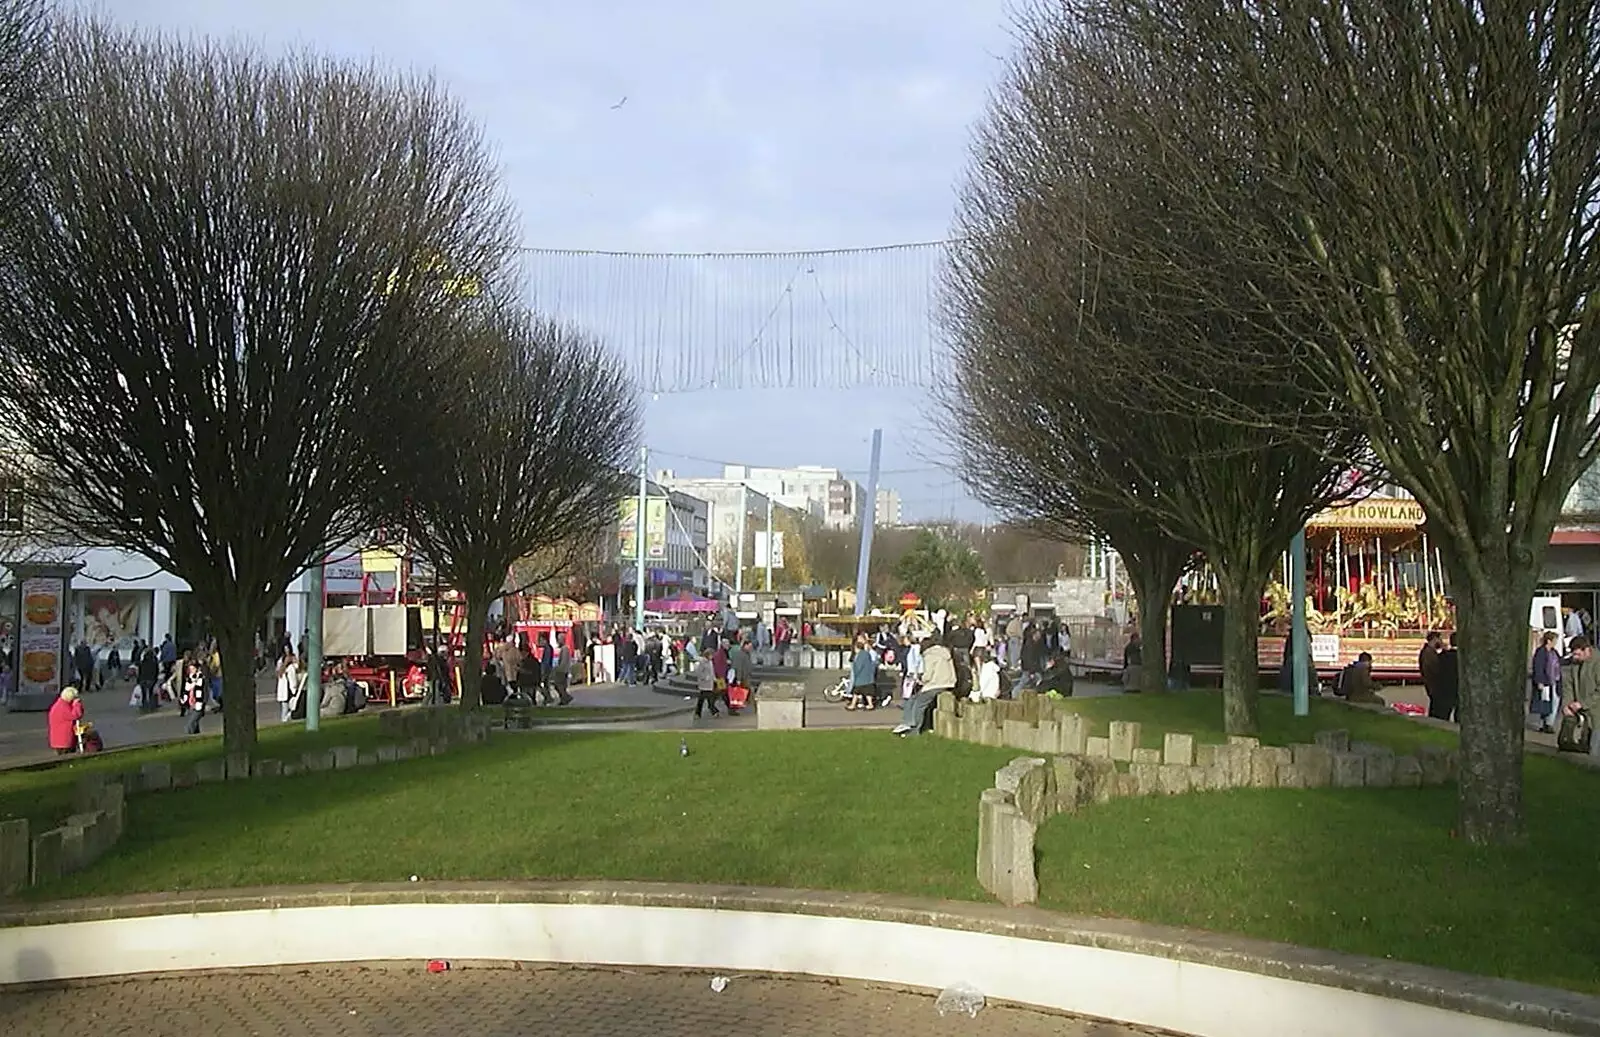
(1203,1000)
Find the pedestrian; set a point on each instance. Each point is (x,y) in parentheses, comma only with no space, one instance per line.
(195,684)
(938,674)
(627,657)
(561,676)
(529,672)
(705,683)
(62,722)
(288,682)
(83,662)
(720,669)
(1580,684)
(863,677)
(1546,702)
(1446,692)
(987,688)
(149,672)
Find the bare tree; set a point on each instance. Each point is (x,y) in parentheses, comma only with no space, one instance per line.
(213,309)
(528,473)
(1431,171)
(24,27)
(1106,344)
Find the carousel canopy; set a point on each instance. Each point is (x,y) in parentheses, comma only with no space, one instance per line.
(1376,513)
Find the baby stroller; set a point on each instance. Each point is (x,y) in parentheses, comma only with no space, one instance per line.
(89,740)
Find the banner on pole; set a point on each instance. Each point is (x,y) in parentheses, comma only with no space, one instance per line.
(761,550)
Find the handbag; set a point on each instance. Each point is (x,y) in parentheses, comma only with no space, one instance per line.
(1577,732)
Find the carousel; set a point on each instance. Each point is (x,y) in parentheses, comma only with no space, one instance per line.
(1373,584)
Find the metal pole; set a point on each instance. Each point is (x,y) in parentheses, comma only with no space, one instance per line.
(1299,636)
(770,543)
(869,518)
(638,539)
(313,660)
(444,657)
(738,562)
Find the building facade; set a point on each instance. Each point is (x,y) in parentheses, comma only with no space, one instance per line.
(822,493)
(887,511)
(736,510)
(676,547)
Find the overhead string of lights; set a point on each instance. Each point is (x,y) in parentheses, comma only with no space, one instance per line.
(699,322)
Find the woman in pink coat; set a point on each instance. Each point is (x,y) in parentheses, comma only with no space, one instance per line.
(65,713)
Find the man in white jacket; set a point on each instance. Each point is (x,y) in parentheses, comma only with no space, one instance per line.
(938,674)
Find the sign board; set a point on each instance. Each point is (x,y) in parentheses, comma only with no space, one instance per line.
(655,527)
(1372,513)
(1325,649)
(40,644)
(761,550)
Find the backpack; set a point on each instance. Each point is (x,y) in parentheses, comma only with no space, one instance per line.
(1577,732)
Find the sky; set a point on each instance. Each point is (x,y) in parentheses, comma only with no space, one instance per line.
(706,126)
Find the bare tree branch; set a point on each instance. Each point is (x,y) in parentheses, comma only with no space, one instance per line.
(214,308)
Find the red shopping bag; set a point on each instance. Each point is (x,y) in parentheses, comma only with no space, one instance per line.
(738,695)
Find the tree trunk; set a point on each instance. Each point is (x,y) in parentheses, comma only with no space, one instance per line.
(1153,574)
(472,654)
(1153,634)
(1241,669)
(1492,627)
(236,645)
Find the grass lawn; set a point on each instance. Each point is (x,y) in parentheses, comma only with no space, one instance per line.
(1375,872)
(43,793)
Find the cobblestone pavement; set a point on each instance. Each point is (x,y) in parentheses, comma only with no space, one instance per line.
(405,1001)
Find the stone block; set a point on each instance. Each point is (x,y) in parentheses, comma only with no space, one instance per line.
(1207,754)
(1235,760)
(15,847)
(1435,764)
(214,769)
(946,724)
(1047,736)
(781,707)
(1349,770)
(49,856)
(1124,785)
(404,751)
(1263,769)
(1036,793)
(1142,755)
(420,746)
(1174,779)
(74,848)
(1407,772)
(1380,769)
(1199,779)
(1074,733)
(1315,764)
(1245,740)
(366,758)
(1147,777)
(1178,749)
(1018,734)
(989,802)
(155,776)
(946,702)
(1098,747)
(1334,741)
(1028,705)
(344,756)
(1006,859)
(114,808)
(268,769)
(440,746)
(990,731)
(1082,780)
(386,753)
(238,766)
(1217,777)
(1124,739)
(185,778)
(86,792)
(292,768)
(312,762)
(1291,777)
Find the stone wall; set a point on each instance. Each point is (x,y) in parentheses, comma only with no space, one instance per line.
(1077,768)
(99,799)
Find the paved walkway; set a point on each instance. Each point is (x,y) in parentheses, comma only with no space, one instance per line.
(406,1001)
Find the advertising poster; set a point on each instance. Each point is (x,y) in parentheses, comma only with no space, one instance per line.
(628,527)
(112,619)
(39,647)
(655,527)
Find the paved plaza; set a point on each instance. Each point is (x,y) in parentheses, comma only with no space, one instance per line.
(406,1001)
